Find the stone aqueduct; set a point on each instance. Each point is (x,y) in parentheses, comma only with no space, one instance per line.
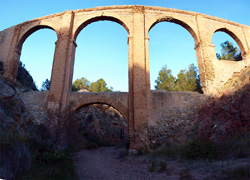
(137,105)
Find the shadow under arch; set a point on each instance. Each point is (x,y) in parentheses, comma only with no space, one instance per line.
(29,32)
(99,18)
(178,22)
(234,36)
(101,103)
(98,124)
(115,104)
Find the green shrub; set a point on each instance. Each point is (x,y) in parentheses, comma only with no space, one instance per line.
(1,67)
(152,168)
(91,145)
(185,175)
(47,161)
(242,173)
(163,166)
(199,148)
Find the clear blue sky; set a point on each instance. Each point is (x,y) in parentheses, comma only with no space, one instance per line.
(102,50)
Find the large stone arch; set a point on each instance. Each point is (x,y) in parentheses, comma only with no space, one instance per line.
(96,19)
(178,19)
(15,50)
(80,24)
(29,32)
(178,22)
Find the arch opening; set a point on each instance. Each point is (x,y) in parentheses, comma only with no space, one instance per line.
(96,19)
(101,56)
(178,22)
(99,124)
(173,46)
(227,45)
(36,49)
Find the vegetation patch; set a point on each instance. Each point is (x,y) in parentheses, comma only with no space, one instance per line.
(242,173)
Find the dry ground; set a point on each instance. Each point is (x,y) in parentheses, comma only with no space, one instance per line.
(103,164)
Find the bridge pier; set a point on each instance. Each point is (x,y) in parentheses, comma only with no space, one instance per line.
(139,83)
(61,78)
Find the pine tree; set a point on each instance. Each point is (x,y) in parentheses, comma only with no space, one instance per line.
(165,80)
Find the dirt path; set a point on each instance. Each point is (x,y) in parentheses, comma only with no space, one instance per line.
(103,164)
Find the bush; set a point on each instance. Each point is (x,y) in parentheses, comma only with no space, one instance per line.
(242,173)
(163,166)
(1,67)
(199,148)
(91,145)
(152,168)
(34,156)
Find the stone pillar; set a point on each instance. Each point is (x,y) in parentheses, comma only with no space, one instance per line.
(147,61)
(13,58)
(138,81)
(246,32)
(205,55)
(131,94)
(62,65)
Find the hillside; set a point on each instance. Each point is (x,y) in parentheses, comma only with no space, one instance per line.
(228,116)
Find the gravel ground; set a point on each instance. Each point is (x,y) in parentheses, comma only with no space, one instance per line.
(103,164)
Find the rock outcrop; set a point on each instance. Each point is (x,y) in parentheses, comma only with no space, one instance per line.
(223,118)
(14,120)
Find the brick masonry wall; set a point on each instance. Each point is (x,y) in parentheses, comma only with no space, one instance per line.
(172,115)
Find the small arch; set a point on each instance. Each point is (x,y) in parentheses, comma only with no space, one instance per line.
(179,22)
(99,18)
(235,37)
(103,103)
(117,105)
(98,123)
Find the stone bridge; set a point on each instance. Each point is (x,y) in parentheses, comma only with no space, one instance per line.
(140,105)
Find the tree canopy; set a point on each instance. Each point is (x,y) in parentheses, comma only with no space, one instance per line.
(82,83)
(187,80)
(229,52)
(45,85)
(165,80)
(98,86)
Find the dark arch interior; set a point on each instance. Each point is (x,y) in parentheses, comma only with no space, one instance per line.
(99,125)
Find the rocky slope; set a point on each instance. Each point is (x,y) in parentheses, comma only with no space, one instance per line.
(228,116)
(14,119)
